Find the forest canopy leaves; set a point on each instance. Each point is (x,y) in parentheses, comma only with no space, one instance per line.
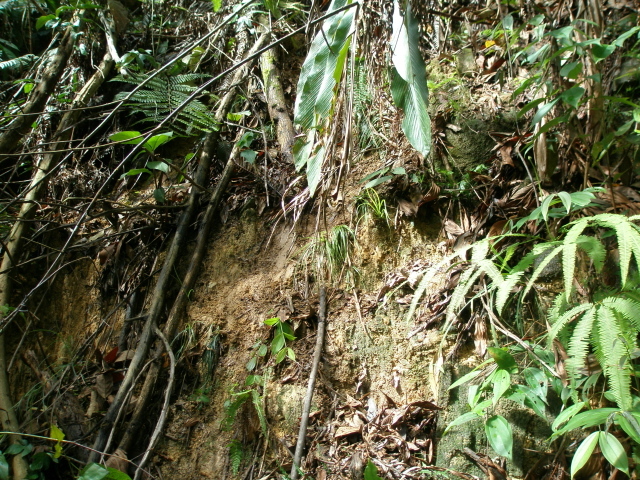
(409,81)
(317,80)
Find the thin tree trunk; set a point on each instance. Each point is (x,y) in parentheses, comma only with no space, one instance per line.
(29,113)
(304,420)
(180,301)
(155,310)
(277,104)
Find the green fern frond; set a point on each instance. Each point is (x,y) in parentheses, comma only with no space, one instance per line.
(628,237)
(614,344)
(512,279)
(594,248)
(492,271)
(563,319)
(257,403)
(236,455)
(429,276)
(579,344)
(466,281)
(480,250)
(549,256)
(162,95)
(624,234)
(628,308)
(232,407)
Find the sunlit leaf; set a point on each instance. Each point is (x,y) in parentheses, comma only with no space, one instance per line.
(58,435)
(503,359)
(127,137)
(573,96)
(278,343)
(371,471)
(499,435)
(409,83)
(462,419)
(161,166)
(630,425)
(543,110)
(156,141)
(41,22)
(567,414)
(602,51)
(583,453)
(249,156)
(377,181)
(93,471)
(614,452)
(316,81)
(314,170)
(501,383)
(251,364)
(280,356)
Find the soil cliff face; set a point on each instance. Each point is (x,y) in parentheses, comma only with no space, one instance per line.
(371,356)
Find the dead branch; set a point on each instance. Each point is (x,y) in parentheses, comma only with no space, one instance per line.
(304,420)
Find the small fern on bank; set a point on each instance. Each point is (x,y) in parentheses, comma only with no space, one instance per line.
(238,399)
(162,95)
(236,455)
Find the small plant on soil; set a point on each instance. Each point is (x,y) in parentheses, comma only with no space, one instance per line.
(280,349)
(327,256)
(370,204)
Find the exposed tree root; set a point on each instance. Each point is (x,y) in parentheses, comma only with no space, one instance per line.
(180,301)
(155,309)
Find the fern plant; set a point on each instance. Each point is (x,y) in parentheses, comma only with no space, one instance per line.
(237,400)
(604,322)
(164,94)
(236,455)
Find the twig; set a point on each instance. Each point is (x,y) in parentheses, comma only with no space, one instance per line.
(165,406)
(304,420)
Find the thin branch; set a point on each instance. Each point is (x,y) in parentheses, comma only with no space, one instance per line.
(165,407)
(304,420)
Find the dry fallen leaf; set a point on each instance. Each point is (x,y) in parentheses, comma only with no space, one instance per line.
(118,460)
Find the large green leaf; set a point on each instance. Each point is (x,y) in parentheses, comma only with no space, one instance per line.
(614,452)
(583,453)
(499,434)
(409,81)
(316,83)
